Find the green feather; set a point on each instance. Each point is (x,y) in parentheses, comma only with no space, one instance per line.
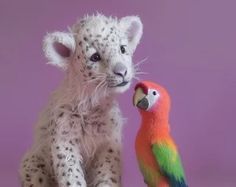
(170,163)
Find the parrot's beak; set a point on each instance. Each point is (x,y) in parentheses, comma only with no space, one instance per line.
(140,100)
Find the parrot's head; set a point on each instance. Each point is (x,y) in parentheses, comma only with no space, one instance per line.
(150,97)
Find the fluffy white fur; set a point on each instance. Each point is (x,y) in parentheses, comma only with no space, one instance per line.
(78,135)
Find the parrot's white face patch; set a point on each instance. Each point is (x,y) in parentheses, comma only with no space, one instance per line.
(145,101)
(152,97)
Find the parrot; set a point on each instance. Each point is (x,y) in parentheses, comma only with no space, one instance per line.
(157,154)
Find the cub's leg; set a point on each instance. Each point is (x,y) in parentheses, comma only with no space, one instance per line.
(106,169)
(34,172)
(68,163)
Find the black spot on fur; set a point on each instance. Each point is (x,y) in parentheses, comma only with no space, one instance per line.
(76,115)
(71,142)
(113,172)
(113,180)
(117,159)
(87,48)
(40,180)
(68,183)
(60,156)
(27,176)
(61,114)
(78,183)
(64,132)
(40,165)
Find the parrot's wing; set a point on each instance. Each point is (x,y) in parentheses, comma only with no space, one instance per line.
(169,163)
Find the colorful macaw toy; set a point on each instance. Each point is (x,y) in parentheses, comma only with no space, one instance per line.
(157,154)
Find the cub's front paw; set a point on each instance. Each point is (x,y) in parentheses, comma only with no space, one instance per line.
(104,185)
(107,185)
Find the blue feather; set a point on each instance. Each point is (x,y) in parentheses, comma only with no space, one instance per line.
(174,182)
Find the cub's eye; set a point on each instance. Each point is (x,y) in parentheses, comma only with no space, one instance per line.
(95,57)
(122,49)
(154,92)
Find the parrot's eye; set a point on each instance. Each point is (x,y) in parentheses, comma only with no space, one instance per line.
(154,92)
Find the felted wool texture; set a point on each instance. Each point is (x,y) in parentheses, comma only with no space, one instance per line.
(78,134)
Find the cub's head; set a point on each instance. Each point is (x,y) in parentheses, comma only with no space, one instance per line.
(97,51)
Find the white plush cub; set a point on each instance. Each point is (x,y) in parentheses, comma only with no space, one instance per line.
(78,135)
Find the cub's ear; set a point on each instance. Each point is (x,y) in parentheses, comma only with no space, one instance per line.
(133,27)
(58,48)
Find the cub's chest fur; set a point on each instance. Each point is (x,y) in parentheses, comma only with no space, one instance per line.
(98,122)
(93,129)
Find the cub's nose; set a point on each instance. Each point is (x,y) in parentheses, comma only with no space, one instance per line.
(120,69)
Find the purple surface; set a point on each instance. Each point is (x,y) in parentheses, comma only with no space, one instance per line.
(190,47)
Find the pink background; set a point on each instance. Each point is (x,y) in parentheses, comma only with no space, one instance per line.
(191,50)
